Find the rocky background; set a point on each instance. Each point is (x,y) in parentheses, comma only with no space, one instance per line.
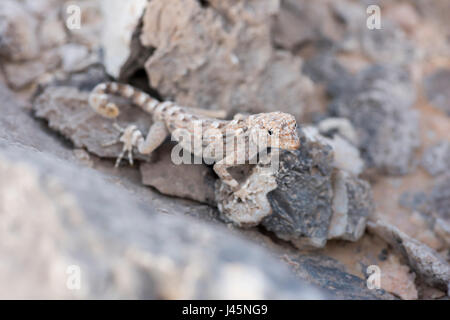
(370,184)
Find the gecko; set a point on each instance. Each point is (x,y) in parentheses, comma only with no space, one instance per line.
(278,129)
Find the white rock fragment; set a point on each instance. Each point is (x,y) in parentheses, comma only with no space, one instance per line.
(120,20)
(346,155)
(342,125)
(74,56)
(249,213)
(339,222)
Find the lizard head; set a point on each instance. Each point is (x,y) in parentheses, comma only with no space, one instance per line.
(279,128)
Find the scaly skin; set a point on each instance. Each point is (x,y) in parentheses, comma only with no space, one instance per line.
(274,129)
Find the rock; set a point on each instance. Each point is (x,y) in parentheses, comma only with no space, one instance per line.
(123,17)
(301,203)
(52,32)
(76,213)
(433,206)
(64,104)
(18,40)
(438,201)
(300,22)
(442,230)
(340,135)
(315,199)
(436,88)
(352,205)
(74,57)
(388,45)
(324,68)
(221,57)
(21,74)
(379,106)
(428,264)
(18,126)
(253,210)
(436,159)
(190,181)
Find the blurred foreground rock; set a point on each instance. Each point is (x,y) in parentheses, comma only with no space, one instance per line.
(74,217)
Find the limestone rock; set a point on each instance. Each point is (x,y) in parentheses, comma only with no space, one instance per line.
(221,57)
(123,17)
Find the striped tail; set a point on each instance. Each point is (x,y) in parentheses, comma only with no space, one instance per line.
(98,99)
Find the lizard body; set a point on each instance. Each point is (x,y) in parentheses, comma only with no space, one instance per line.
(277,129)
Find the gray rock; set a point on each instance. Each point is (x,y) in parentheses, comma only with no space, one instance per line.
(333,277)
(436,159)
(436,88)
(301,203)
(434,203)
(64,104)
(427,263)
(18,126)
(314,201)
(379,106)
(73,216)
(190,181)
(302,22)
(414,201)
(324,68)
(388,45)
(352,205)
(22,74)
(439,198)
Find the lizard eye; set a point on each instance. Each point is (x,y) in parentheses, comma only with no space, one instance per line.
(270,132)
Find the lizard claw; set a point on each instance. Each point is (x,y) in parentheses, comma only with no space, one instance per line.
(128,138)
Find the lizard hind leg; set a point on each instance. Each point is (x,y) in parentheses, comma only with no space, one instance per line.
(131,137)
(221,169)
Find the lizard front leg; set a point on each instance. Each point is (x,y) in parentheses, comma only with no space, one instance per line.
(132,137)
(221,169)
